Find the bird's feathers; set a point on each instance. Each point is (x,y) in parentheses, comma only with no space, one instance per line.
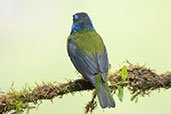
(88,42)
(103,93)
(81,22)
(89,57)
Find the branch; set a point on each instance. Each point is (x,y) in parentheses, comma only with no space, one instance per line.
(141,81)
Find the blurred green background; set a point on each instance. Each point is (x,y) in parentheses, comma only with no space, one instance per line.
(33,36)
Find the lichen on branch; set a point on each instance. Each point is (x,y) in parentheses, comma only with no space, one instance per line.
(140,81)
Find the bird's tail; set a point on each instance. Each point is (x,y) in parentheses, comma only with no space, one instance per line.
(103,93)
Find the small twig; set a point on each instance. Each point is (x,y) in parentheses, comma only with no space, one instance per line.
(91,104)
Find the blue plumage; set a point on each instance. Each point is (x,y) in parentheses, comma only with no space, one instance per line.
(81,23)
(89,56)
(86,65)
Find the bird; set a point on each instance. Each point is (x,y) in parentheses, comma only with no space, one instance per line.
(88,54)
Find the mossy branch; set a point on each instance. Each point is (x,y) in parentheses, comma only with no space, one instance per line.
(140,81)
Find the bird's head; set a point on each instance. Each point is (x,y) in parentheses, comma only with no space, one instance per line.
(81,22)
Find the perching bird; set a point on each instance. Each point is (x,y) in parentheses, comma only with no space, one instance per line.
(88,54)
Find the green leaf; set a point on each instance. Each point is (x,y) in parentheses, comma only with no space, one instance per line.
(120,93)
(3,104)
(124,73)
(133,97)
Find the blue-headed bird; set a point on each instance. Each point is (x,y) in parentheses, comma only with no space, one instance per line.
(88,53)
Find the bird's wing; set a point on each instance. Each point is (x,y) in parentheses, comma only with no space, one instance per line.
(86,65)
(103,63)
